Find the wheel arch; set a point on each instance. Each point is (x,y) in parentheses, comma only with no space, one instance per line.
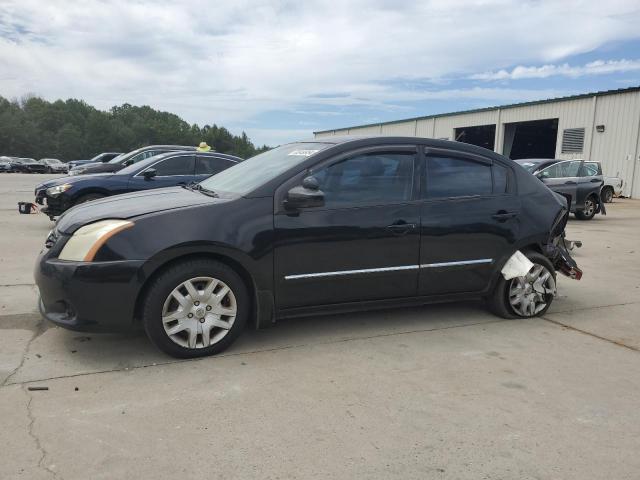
(261,301)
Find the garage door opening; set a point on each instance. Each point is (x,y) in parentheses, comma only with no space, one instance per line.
(482,136)
(536,139)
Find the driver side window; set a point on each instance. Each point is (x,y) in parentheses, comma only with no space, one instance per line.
(367,179)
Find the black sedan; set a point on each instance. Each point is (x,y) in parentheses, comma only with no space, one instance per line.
(330,225)
(126,159)
(574,179)
(165,170)
(27,165)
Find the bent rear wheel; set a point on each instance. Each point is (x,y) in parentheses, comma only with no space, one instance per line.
(527,296)
(196,308)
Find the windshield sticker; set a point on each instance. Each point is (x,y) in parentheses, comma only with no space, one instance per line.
(304,153)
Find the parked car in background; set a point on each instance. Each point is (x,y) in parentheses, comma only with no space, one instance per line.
(127,159)
(579,183)
(612,185)
(332,225)
(54,165)
(164,170)
(100,158)
(5,164)
(27,165)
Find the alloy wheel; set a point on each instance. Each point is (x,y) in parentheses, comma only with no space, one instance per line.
(589,207)
(530,294)
(199,312)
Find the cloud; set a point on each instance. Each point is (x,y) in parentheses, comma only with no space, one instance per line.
(231,61)
(599,67)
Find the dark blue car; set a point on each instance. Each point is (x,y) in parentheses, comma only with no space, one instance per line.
(164,170)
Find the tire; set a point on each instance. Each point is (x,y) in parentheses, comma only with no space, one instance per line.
(189,320)
(589,210)
(607,194)
(88,197)
(499,302)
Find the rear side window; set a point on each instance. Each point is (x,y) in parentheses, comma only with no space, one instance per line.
(455,177)
(590,169)
(182,165)
(211,165)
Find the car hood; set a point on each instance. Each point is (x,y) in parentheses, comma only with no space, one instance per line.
(90,168)
(132,205)
(71,179)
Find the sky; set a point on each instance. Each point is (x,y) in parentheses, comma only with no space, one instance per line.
(280,69)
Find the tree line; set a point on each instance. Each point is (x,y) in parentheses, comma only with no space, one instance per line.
(72,129)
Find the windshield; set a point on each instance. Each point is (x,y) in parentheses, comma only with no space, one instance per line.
(250,174)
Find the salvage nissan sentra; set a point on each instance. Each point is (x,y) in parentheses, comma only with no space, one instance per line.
(330,225)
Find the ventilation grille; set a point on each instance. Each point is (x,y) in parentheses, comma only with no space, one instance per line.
(573,140)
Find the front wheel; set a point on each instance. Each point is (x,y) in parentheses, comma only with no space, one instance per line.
(527,296)
(196,308)
(589,210)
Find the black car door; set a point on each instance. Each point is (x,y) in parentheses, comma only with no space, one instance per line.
(362,244)
(469,221)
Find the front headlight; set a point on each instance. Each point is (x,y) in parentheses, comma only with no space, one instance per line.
(58,189)
(86,241)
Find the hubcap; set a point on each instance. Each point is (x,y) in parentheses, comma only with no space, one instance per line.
(531,294)
(589,207)
(199,313)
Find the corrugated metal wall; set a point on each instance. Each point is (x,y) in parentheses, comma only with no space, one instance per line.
(617,147)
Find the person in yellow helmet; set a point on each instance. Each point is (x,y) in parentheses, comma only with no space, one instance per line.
(203,147)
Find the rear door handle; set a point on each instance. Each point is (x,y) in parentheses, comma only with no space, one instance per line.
(595,180)
(503,216)
(570,183)
(401,227)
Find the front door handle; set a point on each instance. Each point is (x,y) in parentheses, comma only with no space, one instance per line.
(401,228)
(503,215)
(570,182)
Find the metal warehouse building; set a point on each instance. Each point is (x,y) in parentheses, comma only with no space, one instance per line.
(602,126)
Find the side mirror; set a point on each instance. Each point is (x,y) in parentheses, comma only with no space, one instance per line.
(128,162)
(149,174)
(306,195)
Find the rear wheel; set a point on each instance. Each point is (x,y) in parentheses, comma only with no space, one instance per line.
(589,210)
(195,308)
(527,296)
(607,194)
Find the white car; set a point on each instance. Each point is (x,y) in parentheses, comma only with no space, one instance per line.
(612,186)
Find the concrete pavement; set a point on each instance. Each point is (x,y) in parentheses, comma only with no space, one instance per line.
(444,391)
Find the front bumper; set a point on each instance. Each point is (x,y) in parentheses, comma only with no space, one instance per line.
(88,296)
(53,206)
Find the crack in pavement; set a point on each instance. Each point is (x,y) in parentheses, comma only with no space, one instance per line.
(595,307)
(251,352)
(594,335)
(39,330)
(36,440)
